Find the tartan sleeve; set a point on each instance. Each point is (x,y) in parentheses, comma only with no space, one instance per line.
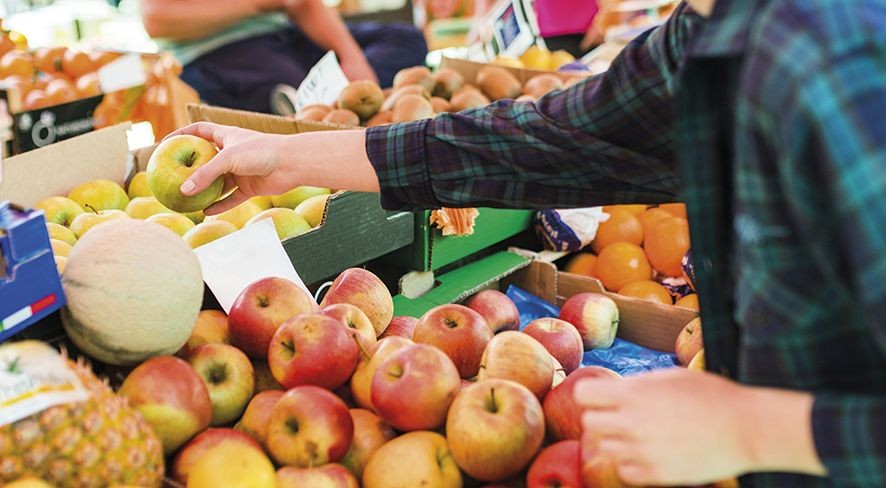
(608,139)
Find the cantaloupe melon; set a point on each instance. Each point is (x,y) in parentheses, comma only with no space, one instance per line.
(134,290)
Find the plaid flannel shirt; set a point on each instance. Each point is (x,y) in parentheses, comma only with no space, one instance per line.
(769,120)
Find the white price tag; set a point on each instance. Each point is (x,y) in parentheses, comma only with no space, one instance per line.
(124,72)
(323,84)
(235,261)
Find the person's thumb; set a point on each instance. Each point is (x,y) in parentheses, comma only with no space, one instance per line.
(206,174)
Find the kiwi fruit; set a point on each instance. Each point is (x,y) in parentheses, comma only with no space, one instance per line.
(497,83)
(406,90)
(412,107)
(313,113)
(362,97)
(417,75)
(382,118)
(540,85)
(446,82)
(468,99)
(342,116)
(440,105)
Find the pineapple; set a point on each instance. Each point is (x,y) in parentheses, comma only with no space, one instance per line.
(87,437)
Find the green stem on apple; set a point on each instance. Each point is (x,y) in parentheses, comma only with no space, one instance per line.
(192,158)
(90,207)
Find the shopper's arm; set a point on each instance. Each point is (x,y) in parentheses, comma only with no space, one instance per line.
(185,20)
(323,26)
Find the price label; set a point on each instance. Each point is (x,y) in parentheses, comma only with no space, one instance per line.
(323,84)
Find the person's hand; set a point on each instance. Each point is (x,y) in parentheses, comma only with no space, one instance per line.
(356,67)
(671,427)
(247,159)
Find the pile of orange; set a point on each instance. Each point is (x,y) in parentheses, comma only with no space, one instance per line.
(636,246)
(50,75)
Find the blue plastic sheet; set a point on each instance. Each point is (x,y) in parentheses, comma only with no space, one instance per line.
(623,357)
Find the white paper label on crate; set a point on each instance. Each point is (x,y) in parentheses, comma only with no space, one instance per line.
(124,72)
(34,377)
(233,262)
(323,84)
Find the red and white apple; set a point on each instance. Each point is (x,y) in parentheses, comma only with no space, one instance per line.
(595,316)
(211,328)
(459,332)
(400,325)
(367,292)
(499,311)
(561,411)
(229,378)
(557,466)
(414,459)
(370,433)
(254,421)
(519,357)
(309,426)
(354,319)
(361,380)
(260,309)
(191,452)
(313,349)
(689,342)
(560,338)
(326,476)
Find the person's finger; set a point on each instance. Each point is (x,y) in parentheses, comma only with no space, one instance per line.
(219,165)
(230,184)
(227,203)
(599,393)
(636,473)
(604,423)
(618,450)
(205,130)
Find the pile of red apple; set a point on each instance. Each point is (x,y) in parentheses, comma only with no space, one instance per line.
(347,395)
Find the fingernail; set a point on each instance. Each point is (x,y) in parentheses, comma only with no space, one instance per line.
(188,186)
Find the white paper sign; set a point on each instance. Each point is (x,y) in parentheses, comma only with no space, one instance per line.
(233,262)
(323,84)
(124,72)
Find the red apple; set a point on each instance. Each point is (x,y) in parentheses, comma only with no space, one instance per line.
(598,470)
(313,350)
(361,381)
(689,342)
(171,397)
(557,466)
(561,411)
(260,309)
(459,332)
(495,428)
(517,356)
(412,389)
(264,380)
(354,319)
(400,325)
(412,460)
(595,316)
(360,287)
(326,476)
(370,432)
(255,419)
(560,338)
(498,310)
(211,328)
(229,378)
(309,426)
(191,452)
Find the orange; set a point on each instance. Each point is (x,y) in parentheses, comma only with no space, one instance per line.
(621,263)
(689,301)
(76,63)
(582,264)
(49,59)
(675,209)
(647,290)
(651,216)
(88,86)
(635,208)
(17,63)
(60,91)
(101,58)
(35,99)
(622,226)
(6,44)
(666,243)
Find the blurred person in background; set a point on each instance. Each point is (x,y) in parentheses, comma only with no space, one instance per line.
(236,53)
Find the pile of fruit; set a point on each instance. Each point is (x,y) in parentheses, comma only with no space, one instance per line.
(418,93)
(538,58)
(642,251)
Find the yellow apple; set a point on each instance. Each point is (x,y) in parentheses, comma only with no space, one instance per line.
(173,162)
(100,195)
(196,217)
(508,61)
(177,223)
(231,463)
(559,58)
(144,207)
(60,262)
(60,210)
(313,209)
(286,221)
(206,232)
(263,201)
(293,197)
(60,248)
(138,186)
(238,215)
(60,232)
(536,58)
(85,221)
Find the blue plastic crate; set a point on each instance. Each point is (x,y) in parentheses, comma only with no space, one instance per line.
(30,288)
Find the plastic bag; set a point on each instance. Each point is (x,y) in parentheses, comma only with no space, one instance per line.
(570,229)
(623,357)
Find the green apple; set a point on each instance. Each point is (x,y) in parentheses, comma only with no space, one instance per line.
(85,221)
(100,195)
(196,217)
(229,377)
(262,201)
(173,162)
(206,232)
(60,210)
(138,186)
(177,223)
(294,197)
(286,222)
(313,209)
(144,207)
(238,215)
(60,232)
(60,248)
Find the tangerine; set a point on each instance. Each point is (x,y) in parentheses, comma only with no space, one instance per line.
(651,216)
(60,91)
(101,58)
(633,208)
(6,44)
(35,99)
(49,59)
(76,63)
(647,290)
(17,63)
(582,264)
(88,85)
(675,209)
(621,263)
(666,244)
(689,301)
(622,226)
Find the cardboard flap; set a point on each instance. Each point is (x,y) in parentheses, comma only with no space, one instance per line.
(270,124)
(469,70)
(32,176)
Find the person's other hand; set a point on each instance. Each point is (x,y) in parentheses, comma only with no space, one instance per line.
(247,159)
(356,67)
(671,427)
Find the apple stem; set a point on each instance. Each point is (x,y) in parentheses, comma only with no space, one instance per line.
(90,207)
(191,159)
(492,400)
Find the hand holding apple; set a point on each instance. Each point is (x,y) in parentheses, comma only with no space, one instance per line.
(562,412)
(174,161)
